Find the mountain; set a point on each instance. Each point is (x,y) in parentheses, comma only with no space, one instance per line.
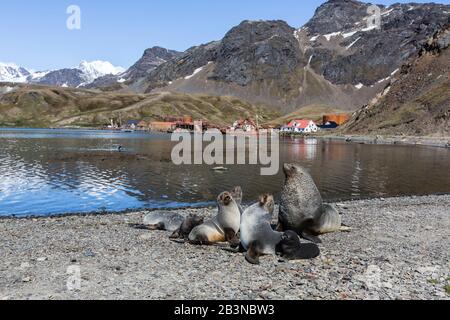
(25,105)
(151,59)
(417,101)
(84,74)
(10,72)
(337,59)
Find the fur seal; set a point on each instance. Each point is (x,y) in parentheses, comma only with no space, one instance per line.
(186,227)
(170,221)
(256,227)
(163,220)
(291,248)
(258,238)
(302,209)
(223,227)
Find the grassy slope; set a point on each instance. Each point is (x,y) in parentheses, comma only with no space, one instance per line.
(38,106)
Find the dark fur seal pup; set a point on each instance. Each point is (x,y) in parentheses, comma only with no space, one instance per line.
(223,227)
(258,238)
(302,209)
(291,248)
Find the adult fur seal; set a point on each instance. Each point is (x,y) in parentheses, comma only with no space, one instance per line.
(258,238)
(223,227)
(302,209)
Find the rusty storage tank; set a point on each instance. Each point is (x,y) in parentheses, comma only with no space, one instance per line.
(187,119)
(340,119)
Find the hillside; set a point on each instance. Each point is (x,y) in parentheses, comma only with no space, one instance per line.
(417,102)
(39,106)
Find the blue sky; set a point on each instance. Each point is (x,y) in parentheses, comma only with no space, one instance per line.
(34,33)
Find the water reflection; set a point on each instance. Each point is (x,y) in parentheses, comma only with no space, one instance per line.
(62,171)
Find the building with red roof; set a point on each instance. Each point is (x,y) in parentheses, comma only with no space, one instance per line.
(301,126)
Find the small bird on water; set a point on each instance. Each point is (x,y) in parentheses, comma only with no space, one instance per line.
(120,148)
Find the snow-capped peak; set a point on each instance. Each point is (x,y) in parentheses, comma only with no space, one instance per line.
(90,71)
(10,72)
(96,69)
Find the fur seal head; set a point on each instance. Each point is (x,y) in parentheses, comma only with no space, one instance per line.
(292,170)
(225,198)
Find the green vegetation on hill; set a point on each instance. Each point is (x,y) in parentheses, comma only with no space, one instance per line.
(39,106)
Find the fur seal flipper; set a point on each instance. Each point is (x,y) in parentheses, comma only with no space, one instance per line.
(254,252)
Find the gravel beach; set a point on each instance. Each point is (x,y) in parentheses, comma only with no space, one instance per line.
(398,249)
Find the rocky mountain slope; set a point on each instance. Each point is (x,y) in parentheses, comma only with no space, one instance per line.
(337,59)
(417,101)
(42,106)
(151,59)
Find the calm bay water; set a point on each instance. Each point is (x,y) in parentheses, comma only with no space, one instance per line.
(45,172)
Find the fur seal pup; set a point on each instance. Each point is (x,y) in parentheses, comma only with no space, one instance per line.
(170,221)
(291,248)
(258,238)
(186,227)
(302,209)
(223,227)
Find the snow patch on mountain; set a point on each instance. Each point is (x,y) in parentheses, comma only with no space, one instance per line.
(196,71)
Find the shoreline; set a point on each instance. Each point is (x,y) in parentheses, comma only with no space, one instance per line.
(212,206)
(440,142)
(404,240)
